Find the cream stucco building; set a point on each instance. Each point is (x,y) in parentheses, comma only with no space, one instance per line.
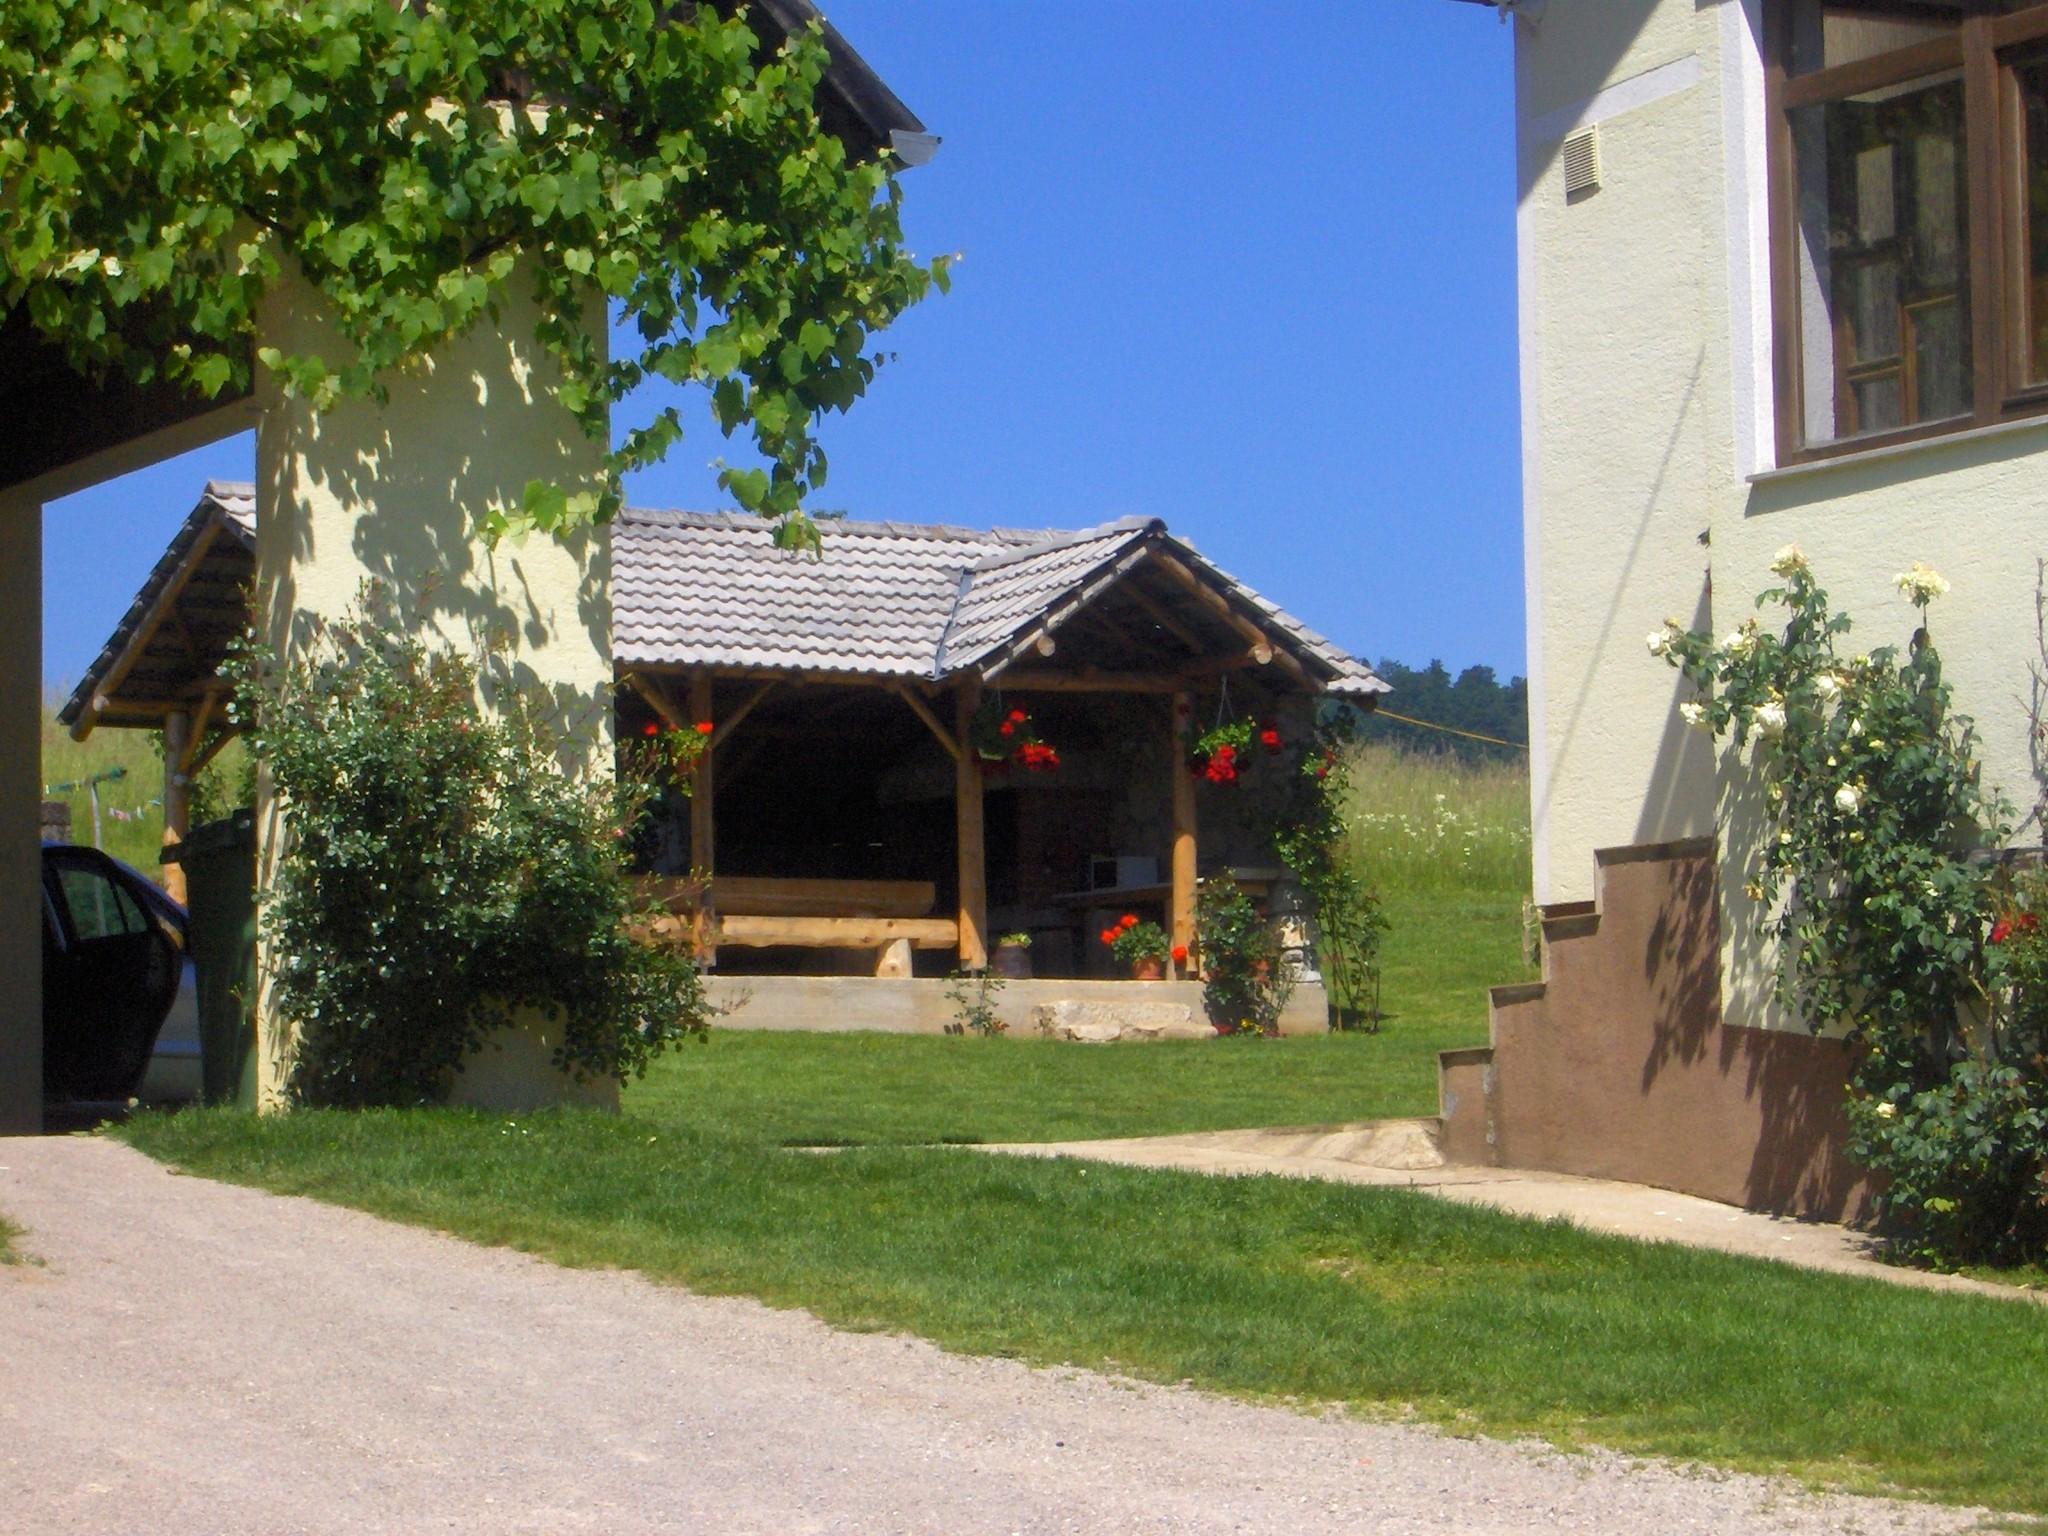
(1778,277)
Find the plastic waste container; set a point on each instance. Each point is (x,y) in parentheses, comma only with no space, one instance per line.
(220,889)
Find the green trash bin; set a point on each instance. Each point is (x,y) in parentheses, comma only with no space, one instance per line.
(220,898)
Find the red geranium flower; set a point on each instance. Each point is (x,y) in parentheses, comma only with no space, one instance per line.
(1109,935)
(1018,717)
(1128,920)
(705,727)
(1180,954)
(2026,922)
(1007,729)
(1270,740)
(650,729)
(2001,931)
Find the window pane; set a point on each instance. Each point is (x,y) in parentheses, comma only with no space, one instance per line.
(1883,251)
(99,908)
(1825,33)
(2031,81)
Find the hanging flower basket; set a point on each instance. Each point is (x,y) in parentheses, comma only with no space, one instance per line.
(1001,737)
(677,748)
(1223,753)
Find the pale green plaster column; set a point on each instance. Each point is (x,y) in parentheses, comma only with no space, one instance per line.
(394,493)
(21,788)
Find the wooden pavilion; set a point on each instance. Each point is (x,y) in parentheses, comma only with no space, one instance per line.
(847,812)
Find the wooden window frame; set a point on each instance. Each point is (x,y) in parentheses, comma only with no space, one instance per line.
(1995,215)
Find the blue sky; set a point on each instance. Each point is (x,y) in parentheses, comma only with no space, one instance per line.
(1246,268)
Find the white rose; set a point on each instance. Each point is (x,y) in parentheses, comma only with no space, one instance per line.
(1770,719)
(1740,642)
(1693,714)
(1887,1110)
(1659,642)
(1828,686)
(1921,583)
(1788,560)
(1847,798)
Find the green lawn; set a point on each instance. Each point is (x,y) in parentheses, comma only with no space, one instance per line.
(1383,1300)
(799,1089)
(8,1233)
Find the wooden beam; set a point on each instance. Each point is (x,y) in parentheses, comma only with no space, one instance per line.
(1088,680)
(193,737)
(724,728)
(969,833)
(1164,617)
(177,795)
(211,750)
(1262,647)
(703,821)
(655,698)
(836,932)
(923,711)
(1181,903)
(144,632)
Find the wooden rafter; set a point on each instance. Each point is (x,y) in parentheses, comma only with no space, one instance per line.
(724,728)
(1263,650)
(144,633)
(955,749)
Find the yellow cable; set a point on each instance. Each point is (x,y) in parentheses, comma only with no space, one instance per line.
(1431,725)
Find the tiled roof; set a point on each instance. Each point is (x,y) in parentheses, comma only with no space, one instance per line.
(895,599)
(909,600)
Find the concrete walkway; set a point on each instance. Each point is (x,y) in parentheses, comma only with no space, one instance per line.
(1402,1154)
(189,1357)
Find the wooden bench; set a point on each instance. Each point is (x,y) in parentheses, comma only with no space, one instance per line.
(888,917)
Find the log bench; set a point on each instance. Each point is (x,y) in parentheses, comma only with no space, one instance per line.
(889,918)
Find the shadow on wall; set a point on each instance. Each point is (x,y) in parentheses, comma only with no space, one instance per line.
(1789,1083)
(410,482)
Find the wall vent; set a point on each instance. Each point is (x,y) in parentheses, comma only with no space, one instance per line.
(1581,163)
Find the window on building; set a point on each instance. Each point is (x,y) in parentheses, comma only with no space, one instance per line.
(1909,217)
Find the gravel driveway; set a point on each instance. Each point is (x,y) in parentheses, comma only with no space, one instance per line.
(191,1357)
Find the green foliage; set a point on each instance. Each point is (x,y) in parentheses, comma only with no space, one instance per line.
(1311,841)
(166,165)
(1869,881)
(1133,942)
(973,994)
(1244,983)
(443,873)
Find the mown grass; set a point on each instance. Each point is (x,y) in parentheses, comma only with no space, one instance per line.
(1381,1300)
(9,1254)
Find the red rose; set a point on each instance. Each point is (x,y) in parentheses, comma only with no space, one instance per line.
(1180,954)
(1128,920)
(704,727)
(2001,931)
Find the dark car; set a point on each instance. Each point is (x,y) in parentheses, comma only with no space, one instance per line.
(113,955)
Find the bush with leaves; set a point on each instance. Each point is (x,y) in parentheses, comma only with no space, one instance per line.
(1872,878)
(441,874)
(167,165)
(1312,842)
(1245,985)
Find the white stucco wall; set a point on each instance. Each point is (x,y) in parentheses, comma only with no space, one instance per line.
(392,494)
(1645,350)
(21,784)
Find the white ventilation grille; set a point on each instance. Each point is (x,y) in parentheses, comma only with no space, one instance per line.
(1582,163)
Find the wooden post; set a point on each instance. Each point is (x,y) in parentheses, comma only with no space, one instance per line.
(177,795)
(973,856)
(1182,907)
(703,820)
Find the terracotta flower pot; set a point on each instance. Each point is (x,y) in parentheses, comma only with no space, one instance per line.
(1148,969)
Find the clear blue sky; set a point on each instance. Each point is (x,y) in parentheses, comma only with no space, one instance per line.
(1246,268)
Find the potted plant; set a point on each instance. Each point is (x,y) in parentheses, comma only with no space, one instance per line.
(1013,955)
(1141,946)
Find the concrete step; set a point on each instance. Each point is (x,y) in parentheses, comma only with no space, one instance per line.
(1400,1146)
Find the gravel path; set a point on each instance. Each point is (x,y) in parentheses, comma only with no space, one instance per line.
(191,1357)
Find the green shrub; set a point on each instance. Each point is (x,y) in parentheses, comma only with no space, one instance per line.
(1244,984)
(443,872)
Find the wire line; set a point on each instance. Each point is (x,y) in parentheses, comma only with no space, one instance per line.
(1452,730)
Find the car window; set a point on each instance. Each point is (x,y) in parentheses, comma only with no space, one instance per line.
(99,908)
